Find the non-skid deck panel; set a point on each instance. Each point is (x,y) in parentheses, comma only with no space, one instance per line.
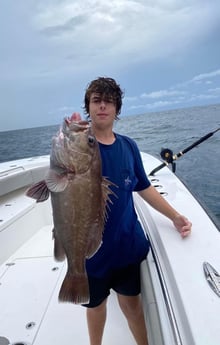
(67,324)
(26,288)
(29,309)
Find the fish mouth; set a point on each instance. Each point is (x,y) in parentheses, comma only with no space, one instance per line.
(77,126)
(69,130)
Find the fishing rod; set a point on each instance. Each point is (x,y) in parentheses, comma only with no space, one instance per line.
(169,158)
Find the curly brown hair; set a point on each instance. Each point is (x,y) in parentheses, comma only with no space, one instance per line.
(106,87)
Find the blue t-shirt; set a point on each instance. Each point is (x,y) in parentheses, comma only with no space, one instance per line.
(124,241)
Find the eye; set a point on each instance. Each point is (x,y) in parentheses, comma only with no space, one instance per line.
(96,100)
(109,100)
(91,140)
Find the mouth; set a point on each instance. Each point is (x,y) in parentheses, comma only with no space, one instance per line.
(102,115)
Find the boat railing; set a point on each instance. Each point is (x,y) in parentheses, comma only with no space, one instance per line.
(10,171)
(20,176)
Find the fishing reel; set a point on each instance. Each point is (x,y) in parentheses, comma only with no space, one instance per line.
(168,156)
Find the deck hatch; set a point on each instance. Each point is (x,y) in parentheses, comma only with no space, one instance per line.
(212,277)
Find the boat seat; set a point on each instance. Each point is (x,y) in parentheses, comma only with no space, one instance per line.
(22,173)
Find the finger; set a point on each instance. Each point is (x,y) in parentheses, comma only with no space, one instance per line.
(185,233)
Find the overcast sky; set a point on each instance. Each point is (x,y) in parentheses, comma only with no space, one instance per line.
(165,54)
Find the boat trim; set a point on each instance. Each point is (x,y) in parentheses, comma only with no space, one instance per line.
(212,277)
(164,288)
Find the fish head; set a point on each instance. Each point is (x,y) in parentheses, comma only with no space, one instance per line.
(74,147)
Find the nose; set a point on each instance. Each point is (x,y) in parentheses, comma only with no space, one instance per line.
(102,104)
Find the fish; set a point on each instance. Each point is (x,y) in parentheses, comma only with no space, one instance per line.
(79,197)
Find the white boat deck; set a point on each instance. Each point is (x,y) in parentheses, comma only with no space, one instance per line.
(30,311)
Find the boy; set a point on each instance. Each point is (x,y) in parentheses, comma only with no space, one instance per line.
(116,265)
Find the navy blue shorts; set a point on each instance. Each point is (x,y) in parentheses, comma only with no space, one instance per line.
(125,281)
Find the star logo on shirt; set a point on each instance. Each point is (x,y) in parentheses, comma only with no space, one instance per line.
(127,181)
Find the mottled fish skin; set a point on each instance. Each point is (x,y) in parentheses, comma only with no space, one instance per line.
(79,195)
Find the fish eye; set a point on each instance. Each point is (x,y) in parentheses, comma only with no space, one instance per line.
(91,140)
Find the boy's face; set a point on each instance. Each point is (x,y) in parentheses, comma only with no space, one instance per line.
(102,109)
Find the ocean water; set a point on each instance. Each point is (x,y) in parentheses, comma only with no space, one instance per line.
(199,169)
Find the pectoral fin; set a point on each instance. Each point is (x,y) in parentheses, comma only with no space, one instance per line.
(38,191)
(57,183)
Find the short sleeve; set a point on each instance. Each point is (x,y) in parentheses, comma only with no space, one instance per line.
(142,179)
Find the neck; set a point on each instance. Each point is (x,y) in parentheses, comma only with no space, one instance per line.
(104,136)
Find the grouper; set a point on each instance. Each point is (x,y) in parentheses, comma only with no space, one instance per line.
(79,196)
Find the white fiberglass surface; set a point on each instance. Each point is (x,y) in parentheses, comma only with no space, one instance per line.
(30,312)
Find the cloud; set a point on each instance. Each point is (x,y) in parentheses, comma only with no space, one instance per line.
(131,99)
(155,105)
(68,27)
(162,93)
(189,91)
(206,75)
(215,90)
(122,31)
(61,39)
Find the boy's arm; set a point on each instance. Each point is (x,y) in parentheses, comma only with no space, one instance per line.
(153,198)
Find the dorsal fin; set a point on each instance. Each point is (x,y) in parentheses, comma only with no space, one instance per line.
(106,192)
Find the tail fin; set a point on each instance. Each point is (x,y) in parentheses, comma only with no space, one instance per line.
(75,289)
